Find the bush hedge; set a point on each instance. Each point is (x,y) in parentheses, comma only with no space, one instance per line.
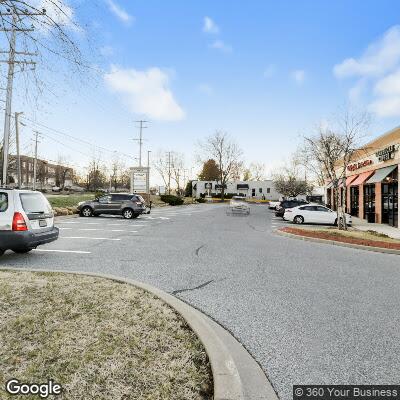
(171,200)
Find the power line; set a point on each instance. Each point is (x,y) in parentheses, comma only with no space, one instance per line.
(79,140)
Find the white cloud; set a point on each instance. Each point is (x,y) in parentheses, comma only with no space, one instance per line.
(119,12)
(299,76)
(379,57)
(378,74)
(146,92)
(205,88)
(386,106)
(209,26)
(220,45)
(269,72)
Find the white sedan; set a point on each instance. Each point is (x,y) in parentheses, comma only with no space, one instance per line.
(313,214)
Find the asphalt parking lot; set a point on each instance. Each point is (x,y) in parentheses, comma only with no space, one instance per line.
(308,312)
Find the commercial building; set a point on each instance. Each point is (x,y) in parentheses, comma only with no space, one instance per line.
(372,181)
(251,189)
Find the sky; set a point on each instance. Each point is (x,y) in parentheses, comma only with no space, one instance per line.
(266,72)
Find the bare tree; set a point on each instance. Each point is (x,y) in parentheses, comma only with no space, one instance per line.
(226,153)
(288,182)
(257,171)
(162,166)
(62,172)
(177,167)
(332,149)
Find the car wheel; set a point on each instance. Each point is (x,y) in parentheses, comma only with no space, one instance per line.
(22,250)
(298,219)
(86,212)
(128,213)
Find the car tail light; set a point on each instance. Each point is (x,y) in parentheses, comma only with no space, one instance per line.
(19,223)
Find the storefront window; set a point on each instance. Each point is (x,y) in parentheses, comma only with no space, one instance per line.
(390,202)
(369,202)
(354,197)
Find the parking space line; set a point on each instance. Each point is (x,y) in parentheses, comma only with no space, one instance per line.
(62,251)
(87,237)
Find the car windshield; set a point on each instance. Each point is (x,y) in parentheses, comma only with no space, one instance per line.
(34,203)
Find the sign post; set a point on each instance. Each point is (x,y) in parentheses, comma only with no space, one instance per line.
(139,179)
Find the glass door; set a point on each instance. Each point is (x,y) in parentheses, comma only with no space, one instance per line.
(390,204)
(369,202)
(354,198)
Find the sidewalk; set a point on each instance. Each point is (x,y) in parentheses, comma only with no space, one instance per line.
(363,225)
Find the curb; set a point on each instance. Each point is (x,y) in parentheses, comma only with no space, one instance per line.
(336,243)
(236,375)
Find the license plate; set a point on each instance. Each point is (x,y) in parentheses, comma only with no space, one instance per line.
(42,223)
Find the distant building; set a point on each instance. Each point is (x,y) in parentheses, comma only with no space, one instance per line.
(47,174)
(253,189)
(261,190)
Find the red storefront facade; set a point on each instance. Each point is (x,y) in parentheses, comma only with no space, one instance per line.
(372,181)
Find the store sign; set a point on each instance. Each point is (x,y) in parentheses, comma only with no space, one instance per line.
(139,179)
(359,165)
(387,153)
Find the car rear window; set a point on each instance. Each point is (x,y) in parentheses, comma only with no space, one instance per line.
(3,202)
(34,203)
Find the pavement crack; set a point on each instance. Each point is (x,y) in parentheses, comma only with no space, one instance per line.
(198,249)
(194,288)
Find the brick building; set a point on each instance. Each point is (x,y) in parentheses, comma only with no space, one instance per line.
(372,181)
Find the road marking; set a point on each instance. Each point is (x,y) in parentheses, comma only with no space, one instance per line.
(63,251)
(85,237)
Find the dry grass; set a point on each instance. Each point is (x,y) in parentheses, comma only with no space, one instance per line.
(367,235)
(99,339)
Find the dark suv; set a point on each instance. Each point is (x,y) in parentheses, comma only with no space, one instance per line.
(283,205)
(125,204)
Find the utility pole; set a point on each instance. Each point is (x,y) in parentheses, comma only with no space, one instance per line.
(140,139)
(169,172)
(148,176)
(10,77)
(35,161)
(17,114)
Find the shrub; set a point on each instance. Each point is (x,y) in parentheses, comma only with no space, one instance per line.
(201,200)
(171,200)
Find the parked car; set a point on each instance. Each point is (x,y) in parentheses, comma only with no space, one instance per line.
(314,214)
(272,205)
(125,204)
(283,205)
(26,220)
(56,189)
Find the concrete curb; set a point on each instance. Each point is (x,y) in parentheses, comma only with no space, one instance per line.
(236,375)
(336,243)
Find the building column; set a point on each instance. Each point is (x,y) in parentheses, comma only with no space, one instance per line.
(378,202)
(361,201)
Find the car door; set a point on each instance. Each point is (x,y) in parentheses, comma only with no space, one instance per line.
(116,203)
(325,215)
(103,205)
(309,214)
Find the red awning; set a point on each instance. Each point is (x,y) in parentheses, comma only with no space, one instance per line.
(362,178)
(350,179)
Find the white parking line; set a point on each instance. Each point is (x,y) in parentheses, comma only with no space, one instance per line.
(86,237)
(63,251)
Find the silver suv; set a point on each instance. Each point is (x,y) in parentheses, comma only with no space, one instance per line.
(26,220)
(125,204)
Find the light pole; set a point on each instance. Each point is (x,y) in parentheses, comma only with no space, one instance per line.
(17,114)
(148,176)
